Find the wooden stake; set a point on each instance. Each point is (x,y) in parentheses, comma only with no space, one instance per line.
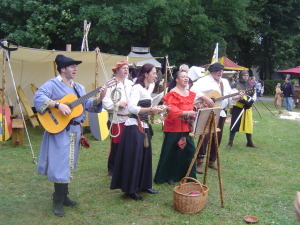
(68,47)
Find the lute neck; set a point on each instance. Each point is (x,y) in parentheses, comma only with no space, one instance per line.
(226,96)
(83,98)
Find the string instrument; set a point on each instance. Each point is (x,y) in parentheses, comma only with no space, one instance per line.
(54,121)
(216,97)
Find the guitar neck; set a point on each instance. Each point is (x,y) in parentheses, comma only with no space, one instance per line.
(231,95)
(83,98)
(226,96)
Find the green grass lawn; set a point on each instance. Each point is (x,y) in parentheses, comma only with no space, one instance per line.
(260,182)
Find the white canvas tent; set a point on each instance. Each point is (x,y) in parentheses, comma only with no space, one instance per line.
(36,66)
(196,72)
(141,62)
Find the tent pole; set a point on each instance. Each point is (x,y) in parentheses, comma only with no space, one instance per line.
(54,67)
(3,97)
(166,75)
(97,69)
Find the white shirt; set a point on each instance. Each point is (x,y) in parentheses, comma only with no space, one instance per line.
(108,104)
(207,84)
(137,94)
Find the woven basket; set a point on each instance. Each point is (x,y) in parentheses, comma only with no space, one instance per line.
(190,203)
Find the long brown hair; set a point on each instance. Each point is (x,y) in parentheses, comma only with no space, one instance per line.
(146,68)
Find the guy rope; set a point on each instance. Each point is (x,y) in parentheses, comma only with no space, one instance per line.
(5,44)
(115,96)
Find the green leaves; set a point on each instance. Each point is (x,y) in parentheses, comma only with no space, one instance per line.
(261,33)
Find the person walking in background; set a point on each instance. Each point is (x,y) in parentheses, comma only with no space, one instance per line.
(115,102)
(262,89)
(59,151)
(174,161)
(241,119)
(278,96)
(133,164)
(287,90)
(258,88)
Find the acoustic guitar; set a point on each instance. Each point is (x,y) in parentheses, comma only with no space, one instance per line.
(216,97)
(54,121)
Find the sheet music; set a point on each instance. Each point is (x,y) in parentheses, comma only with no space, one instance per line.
(156,100)
(202,118)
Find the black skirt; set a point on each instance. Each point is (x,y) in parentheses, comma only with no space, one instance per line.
(133,164)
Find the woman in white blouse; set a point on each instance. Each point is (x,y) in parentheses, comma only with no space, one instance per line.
(133,165)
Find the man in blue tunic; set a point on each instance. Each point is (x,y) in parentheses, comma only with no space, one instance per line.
(59,151)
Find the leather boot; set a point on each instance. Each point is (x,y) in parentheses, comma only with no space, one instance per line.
(212,165)
(230,143)
(67,201)
(58,200)
(199,168)
(250,144)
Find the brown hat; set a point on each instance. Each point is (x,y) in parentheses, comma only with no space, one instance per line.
(118,65)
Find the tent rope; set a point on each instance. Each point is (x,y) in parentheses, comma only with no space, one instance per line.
(100,59)
(18,101)
(115,99)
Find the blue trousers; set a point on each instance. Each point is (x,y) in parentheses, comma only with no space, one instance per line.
(288,103)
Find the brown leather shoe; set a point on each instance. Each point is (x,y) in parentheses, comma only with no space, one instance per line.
(230,143)
(212,165)
(250,144)
(199,168)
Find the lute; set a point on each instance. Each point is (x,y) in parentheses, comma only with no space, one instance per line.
(54,121)
(216,97)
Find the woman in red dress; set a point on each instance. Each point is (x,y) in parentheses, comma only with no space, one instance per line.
(174,161)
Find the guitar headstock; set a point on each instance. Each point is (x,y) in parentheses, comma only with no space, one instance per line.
(111,82)
(250,90)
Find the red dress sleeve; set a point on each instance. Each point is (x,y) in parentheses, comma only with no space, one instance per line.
(178,104)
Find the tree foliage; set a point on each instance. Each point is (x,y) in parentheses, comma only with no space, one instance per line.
(261,33)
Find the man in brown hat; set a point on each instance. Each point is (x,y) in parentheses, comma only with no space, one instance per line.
(59,151)
(115,102)
(202,87)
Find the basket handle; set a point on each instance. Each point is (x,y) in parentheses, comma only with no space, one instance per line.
(183,180)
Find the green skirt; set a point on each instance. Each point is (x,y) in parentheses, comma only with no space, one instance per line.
(174,162)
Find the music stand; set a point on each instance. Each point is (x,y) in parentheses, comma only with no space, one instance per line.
(206,123)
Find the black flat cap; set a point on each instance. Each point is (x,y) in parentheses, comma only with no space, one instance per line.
(215,67)
(63,61)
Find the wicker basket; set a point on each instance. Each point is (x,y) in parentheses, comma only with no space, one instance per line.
(190,203)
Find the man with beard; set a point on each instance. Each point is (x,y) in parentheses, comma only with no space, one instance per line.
(212,82)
